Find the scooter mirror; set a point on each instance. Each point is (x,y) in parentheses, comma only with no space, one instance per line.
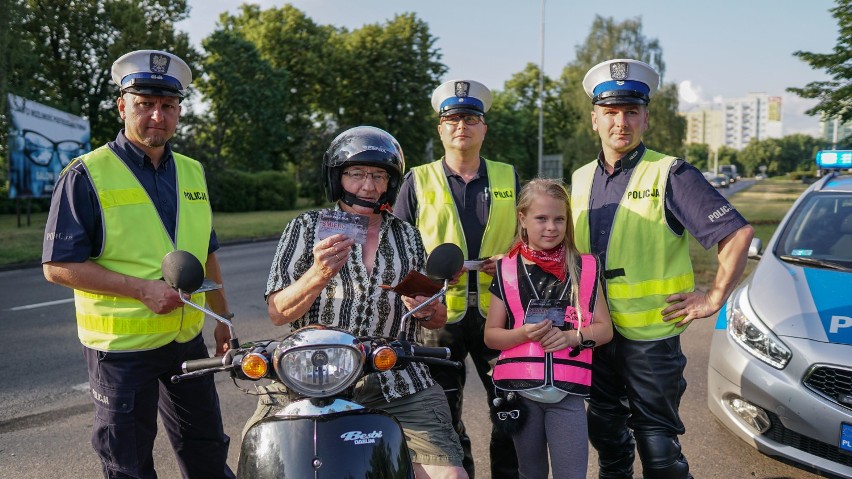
(182,270)
(444,262)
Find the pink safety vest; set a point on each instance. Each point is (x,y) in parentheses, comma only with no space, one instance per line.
(526,366)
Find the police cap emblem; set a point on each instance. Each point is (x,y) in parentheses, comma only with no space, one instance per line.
(159,63)
(618,71)
(462,88)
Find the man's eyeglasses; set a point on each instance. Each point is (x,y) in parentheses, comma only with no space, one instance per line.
(360,176)
(468,120)
(503,415)
(40,149)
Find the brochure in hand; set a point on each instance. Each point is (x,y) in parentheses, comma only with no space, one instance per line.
(540,310)
(332,222)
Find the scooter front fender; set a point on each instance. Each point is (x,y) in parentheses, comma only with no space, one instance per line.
(356,444)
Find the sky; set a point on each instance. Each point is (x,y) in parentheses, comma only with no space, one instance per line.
(711,49)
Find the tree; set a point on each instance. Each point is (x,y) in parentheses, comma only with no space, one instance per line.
(302,56)
(667,129)
(76,44)
(607,40)
(18,64)
(834,96)
(799,151)
(698,155)
(385,76)
(246,96)
(766,152)
(780,155)
(513,122)
(726,155)
(380,75)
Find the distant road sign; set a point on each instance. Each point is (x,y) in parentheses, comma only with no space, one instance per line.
(551,166)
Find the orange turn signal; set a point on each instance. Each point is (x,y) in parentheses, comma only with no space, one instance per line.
(384,358)
(254,366)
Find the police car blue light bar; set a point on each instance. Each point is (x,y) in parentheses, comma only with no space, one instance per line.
(834,159)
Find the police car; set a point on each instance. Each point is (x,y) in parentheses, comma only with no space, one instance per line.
(780,369)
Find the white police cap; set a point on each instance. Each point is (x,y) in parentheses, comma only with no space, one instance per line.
(621,81)
(152,72)
(461,96)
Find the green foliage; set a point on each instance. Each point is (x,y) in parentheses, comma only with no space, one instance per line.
(275,190)
(235,190)
(730,156)
(779,155)
(385,75)
(834,96)
(513,124)
(667,129)
(610,39)
(280,87)
(246,96)
(75,44)
(698,155)
(802,175)
(298,55)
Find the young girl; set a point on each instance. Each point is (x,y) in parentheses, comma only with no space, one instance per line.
(547,312)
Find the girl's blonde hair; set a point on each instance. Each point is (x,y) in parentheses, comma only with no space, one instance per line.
(557,190)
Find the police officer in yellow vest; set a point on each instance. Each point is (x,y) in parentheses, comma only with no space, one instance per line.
(470,201)
(114,214)
(636,208)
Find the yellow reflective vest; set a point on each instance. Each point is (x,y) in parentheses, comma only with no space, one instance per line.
(135,242)
(438,222)
(655,260)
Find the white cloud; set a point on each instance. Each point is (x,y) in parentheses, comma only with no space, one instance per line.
(795,119)
(688,92)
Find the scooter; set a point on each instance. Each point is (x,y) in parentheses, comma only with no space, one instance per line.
(322,432)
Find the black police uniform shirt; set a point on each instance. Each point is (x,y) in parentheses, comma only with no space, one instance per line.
(74,230)
(691,203)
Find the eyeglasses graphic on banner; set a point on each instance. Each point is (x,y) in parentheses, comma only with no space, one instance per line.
(40,149)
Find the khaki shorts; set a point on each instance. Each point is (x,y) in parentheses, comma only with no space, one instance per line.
(424,416)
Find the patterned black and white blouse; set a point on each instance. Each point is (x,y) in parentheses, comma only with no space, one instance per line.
(354,300)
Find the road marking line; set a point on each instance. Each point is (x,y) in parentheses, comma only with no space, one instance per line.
(81,387)
(40,305)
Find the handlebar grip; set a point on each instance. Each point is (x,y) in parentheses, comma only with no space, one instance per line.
(440,353)
(199,364)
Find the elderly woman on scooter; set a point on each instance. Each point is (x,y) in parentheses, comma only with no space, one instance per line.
(337,281)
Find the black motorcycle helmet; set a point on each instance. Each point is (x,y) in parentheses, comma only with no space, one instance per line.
(363,145)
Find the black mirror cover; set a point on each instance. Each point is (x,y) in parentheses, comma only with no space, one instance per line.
(444,262)
(181,270)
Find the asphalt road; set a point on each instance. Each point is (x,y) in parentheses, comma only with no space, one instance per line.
(46,416)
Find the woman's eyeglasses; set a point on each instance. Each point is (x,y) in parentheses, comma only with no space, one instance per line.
(40,149)
(360,176)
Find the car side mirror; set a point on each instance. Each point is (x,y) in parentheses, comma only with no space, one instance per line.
(755,249)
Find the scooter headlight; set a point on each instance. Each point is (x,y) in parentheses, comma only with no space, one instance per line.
(749,332)
(319,362)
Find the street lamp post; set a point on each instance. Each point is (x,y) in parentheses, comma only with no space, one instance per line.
(541,100)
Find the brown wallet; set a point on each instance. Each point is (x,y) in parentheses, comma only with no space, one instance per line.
(415,284)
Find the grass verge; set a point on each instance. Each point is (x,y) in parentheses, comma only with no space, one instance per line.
(764,204)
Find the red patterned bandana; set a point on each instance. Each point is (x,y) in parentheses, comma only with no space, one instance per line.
(551,261)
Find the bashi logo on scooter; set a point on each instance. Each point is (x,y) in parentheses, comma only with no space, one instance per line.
(358,437)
